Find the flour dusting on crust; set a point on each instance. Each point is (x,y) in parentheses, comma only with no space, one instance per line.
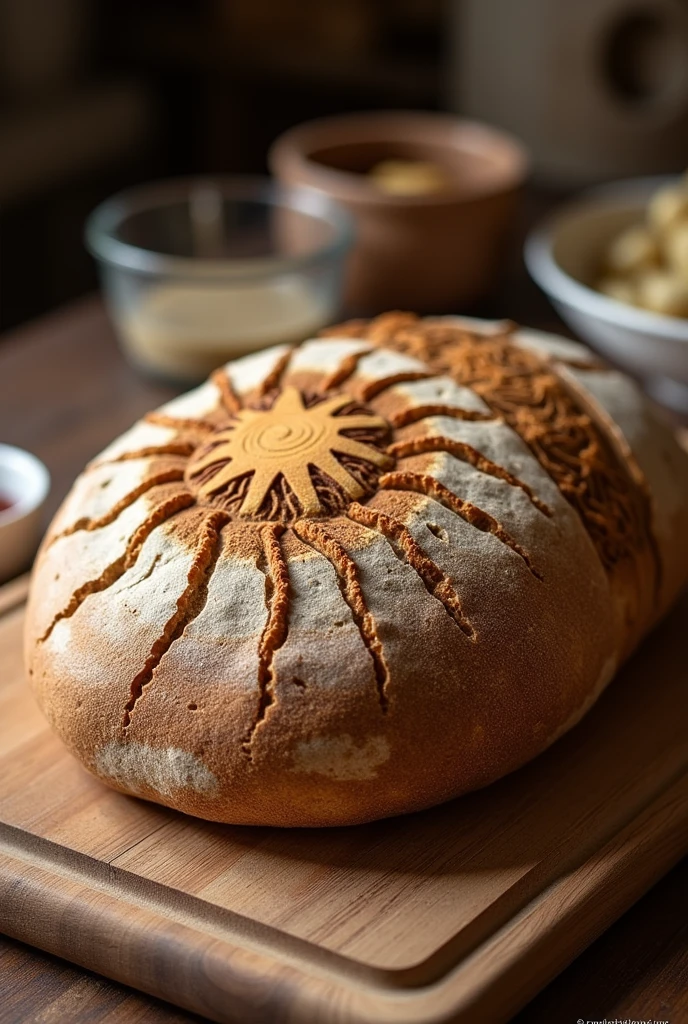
(340,757)
(165,770)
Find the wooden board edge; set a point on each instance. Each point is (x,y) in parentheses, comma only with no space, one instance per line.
(567,916)
(137,943)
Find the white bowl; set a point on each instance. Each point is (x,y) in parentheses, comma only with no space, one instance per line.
(563,256)
(25,481)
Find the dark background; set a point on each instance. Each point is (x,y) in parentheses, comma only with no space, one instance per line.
(110,92)
(96,95)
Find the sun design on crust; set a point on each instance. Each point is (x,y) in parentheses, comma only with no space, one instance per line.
(291,440)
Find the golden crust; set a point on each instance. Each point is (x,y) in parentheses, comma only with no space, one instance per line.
(417,621)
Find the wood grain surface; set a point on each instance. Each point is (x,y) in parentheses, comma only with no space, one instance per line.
(41,989)
(459,913)
(637,969)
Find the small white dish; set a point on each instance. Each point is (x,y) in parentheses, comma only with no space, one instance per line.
(563,256)
(24,483)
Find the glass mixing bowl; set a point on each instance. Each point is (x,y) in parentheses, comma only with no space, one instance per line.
(198,271)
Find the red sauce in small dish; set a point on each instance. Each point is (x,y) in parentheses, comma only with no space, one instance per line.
(6,502)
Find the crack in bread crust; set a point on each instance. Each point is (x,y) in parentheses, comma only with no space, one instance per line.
(228,397)
(347,368)
(346,570)
(160,514)
(466,453)
(274,378)
(174,448)
(414,413)
(274,567)
(189,605)
(376,387)
(423,483)
(436,582)
(165,476)
(181,424)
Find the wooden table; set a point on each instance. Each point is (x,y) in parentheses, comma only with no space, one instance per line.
(65,391)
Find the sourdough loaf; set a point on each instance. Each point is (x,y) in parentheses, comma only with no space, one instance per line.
(357,577)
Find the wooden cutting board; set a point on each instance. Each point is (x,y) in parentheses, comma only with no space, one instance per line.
(460,913)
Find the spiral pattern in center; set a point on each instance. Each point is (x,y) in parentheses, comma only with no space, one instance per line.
(291,436)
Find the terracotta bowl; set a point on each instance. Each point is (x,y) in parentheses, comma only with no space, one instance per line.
(432,252)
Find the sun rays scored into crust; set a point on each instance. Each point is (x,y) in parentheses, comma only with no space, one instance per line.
(292,441)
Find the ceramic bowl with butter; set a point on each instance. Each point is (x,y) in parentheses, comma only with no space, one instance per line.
(433,197)
(198,271)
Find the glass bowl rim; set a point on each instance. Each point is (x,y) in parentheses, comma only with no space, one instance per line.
(103,221)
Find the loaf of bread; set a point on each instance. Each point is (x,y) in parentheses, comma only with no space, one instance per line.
(357,577)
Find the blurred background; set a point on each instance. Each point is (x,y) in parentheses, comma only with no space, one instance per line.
(98,94)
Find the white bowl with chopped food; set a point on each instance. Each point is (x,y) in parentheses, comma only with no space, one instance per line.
(614,263)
